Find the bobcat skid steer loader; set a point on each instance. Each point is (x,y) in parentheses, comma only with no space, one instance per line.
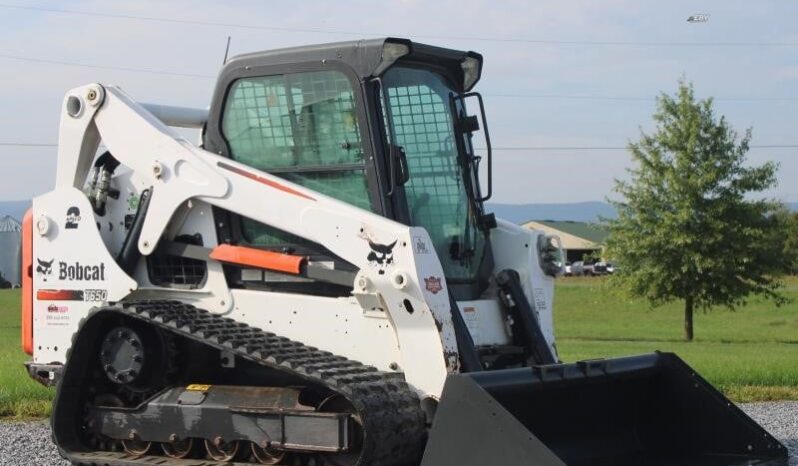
(318,283)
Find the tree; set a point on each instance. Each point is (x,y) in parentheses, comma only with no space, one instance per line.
(688,228)
(790,251)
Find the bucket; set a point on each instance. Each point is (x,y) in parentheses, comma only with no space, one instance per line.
(646,410)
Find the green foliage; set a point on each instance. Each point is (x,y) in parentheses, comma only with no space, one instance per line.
(686,227)
(789,220)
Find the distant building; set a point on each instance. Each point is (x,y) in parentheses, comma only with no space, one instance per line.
(10,250)
(579,239)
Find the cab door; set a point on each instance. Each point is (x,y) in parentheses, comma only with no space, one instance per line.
(308,128)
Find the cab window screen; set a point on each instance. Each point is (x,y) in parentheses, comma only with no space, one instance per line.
(302,127)
(421,122)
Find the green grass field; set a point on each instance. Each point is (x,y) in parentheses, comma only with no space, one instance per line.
(20,397)
(751,353)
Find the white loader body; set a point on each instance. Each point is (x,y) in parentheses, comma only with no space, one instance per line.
(392,321)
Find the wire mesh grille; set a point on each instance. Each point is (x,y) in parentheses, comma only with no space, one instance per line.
(294,120)
(166,269)
(422,125)
(305,121)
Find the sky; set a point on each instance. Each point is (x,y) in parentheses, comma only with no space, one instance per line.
(556,74)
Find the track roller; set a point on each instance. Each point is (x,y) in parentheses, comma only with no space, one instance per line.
(178,448)
(220,450)
(135,446)
(267,455)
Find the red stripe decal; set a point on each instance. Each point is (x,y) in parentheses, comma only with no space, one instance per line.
(59,295)
(260,179)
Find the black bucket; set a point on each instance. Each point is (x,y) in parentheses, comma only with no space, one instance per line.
(648,410)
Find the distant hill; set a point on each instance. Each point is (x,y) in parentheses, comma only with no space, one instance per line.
(577,211)
(15,209)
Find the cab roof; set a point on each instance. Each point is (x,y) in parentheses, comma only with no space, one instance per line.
(368,58)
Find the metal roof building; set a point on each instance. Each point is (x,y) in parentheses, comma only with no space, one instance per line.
(10,250)
(579,239)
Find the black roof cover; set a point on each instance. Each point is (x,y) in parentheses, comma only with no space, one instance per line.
(367,57)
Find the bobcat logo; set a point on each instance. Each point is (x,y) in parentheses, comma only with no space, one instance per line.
(44,268)
(381,256)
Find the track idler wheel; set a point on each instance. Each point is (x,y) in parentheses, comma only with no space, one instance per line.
(220,450)
(122,355)
(178,448)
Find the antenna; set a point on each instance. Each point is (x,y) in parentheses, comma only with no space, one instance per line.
(226,51)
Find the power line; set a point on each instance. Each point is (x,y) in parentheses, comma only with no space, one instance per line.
(26,144)
(430,36)
(553,148)
(509,149)
(599,148)
(631,98)
(497,95)
(105,67)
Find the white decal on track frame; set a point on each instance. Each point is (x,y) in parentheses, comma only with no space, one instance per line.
(57,315)
(540,299)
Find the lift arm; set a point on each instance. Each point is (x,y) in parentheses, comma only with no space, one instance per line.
(178,171)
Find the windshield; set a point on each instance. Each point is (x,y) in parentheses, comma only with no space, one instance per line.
(438,192)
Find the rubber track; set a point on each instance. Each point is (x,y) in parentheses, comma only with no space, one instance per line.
(389,411)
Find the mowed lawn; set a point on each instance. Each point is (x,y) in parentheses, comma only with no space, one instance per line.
(750,353)
(20,396)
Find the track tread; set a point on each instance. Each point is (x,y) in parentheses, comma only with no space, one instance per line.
(388,409)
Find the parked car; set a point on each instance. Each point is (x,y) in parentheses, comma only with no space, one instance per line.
(590,268)
(604,268)
(580,268)
(565,269)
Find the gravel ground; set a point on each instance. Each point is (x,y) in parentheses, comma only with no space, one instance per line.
(781,420)
(28,443)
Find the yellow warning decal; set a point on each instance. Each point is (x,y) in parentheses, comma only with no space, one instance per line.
(195,387)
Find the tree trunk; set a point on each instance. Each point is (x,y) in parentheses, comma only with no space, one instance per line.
(688,318)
